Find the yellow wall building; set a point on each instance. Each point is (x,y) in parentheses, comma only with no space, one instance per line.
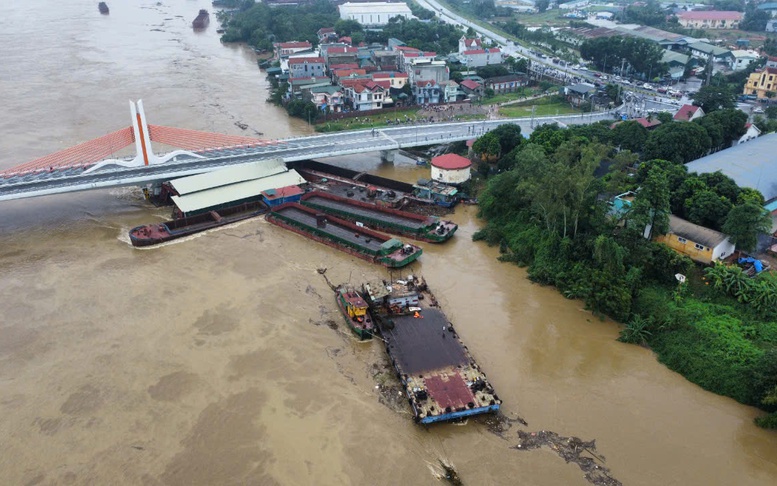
(761,82)
(701,244)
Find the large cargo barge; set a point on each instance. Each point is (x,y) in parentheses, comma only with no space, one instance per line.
(440,377)
(153,234)
(346,236)
(381,218)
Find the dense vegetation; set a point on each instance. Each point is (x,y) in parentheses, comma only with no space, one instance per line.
(640,56)
(548,210)
(262,25)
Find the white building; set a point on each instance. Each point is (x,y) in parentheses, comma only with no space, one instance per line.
(451,169)
(742,59)
(481,57)
(752,133)
(375,13)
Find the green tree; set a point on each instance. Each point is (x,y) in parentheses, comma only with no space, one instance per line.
(678,142)
(651,206)
(745,222)
(630,135)
(487,147)
(755,20)
(712,98)
(708,209)
(542,5)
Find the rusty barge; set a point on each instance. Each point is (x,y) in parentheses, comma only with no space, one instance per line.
(440,377)
(346,236)
(424,228)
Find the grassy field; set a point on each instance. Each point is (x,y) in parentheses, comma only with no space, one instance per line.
(550,109)
(380,120)
(502,98)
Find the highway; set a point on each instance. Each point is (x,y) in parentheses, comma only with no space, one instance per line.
(43,183)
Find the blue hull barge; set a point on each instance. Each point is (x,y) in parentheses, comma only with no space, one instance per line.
(441,379)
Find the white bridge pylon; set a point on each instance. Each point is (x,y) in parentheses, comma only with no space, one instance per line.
(144,155)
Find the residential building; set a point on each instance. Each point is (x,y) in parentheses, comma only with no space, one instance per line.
(771,25)
(327,98)
(408,55)
(710,19)
(451,169)
(340,74)
(577,94)
(752,133)
(676,62)
(303,67)
(363,95)
(451,91)
(387,60)
(472,88)
(688,113)
(374,14)
(700,244)
(285,49)
(763,83)
(326,35)
(395,79)
(481,57)
(297,85)
(741,59)
(426,69)
(508,83)
(339,54)
(426,92)
(648,122)
(469,44)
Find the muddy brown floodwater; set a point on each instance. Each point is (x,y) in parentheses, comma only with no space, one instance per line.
(215,360)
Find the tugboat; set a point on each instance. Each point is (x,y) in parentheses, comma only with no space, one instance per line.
(103,8)
(202,20)
(354,309)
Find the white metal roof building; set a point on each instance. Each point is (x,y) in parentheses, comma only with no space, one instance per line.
(752,164)
(375,13)
(202,191)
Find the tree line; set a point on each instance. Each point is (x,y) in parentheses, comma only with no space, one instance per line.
(549,209)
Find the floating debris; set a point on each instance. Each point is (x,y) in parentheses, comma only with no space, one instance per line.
(571,449)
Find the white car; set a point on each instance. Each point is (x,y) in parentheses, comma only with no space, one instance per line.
(626,81)
(647,86)
(758,110)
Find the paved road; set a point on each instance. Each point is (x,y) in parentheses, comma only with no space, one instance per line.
(289,150)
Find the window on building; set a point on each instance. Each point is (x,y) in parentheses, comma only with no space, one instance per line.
(681,239)
(698,246)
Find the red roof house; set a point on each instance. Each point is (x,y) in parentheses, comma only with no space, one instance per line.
(688,113)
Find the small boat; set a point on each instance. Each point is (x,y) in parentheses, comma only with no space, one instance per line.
(355,311)
(202,20)
(103,8)
(153,234)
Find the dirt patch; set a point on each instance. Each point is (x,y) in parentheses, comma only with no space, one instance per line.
(571,449)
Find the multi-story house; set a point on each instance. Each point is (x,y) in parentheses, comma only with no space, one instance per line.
(303,67)
(481,57)
(763,83)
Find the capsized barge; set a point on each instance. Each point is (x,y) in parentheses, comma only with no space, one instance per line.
(153,234)
(440,377)
(202,20)
(416,226)
(346,236)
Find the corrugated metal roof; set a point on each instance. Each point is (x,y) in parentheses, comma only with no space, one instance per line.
(235,192)
(230,175)
(750,164)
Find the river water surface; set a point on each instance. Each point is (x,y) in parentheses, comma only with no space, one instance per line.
(211,361)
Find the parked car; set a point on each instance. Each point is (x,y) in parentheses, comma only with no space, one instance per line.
(758,110)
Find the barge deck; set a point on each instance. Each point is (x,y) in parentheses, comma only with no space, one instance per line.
(344,235)
(424,228)
(440,377)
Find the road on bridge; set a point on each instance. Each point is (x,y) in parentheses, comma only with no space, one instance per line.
(43,183)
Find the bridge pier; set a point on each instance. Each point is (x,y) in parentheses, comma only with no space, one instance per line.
(387,156)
